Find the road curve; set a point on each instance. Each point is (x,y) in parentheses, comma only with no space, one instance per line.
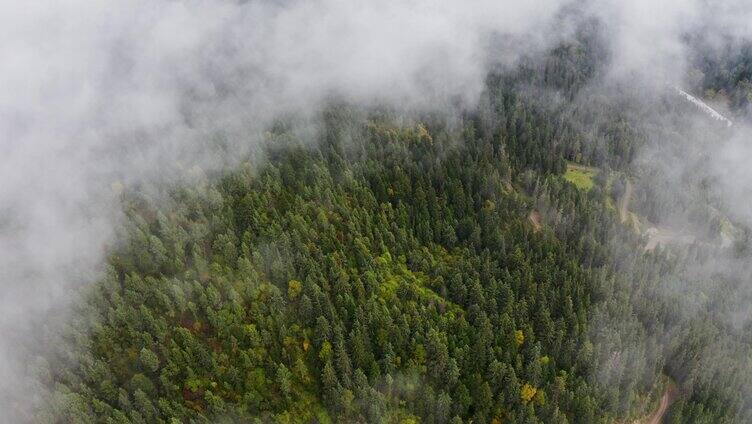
(666,400)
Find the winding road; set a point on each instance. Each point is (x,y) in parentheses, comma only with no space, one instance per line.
(666,400)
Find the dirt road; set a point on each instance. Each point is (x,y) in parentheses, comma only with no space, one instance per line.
(624,202)
(668,398)
(535,219)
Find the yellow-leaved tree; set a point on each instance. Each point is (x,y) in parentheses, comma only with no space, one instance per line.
(527,393)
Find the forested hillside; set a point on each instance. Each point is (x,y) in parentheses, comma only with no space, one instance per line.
(427,269)
(726,73)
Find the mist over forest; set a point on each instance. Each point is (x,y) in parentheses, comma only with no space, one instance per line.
(329,211)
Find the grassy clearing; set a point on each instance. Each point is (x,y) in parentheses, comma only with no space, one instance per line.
(307,408)
(398,275)
(581,176)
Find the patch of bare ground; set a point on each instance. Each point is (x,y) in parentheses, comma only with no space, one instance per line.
(535,220)
(664,236)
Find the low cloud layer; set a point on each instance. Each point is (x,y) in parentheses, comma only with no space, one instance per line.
(96,91)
